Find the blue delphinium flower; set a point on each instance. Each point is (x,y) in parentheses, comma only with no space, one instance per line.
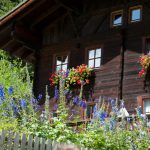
(95,111)
(56,93)
(75,100)
(15,109)
(139,111)
(40,97)
(10,89)
(112,123)
(22,103)
(55,106)
(83,104)
(102,117)
(1,92)
(67,73)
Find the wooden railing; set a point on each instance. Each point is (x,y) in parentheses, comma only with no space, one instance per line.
(15,141)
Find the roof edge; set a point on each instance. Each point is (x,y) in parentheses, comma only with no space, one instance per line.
(15,11)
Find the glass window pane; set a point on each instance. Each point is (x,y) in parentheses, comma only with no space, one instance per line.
(135,14)
(91,54)
(65,59)
(98,52)
(58,60)
(58,68)
(91,63)
(117,19)
(64,67)
(147,50)
(147,106)
(97,62)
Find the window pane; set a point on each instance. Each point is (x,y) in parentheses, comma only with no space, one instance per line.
(91,63)
(64,67)
(58,68)
(147,106)
(58,60)
(98,52)
(117,19)
(91,54)
(61,60)
(65,59)
(135,14)
(147,48)
(97,62)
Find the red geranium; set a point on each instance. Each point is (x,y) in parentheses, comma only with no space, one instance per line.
(145,63)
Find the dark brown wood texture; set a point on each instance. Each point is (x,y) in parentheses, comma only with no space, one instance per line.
(73,28)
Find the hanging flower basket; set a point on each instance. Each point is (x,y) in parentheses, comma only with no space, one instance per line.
(145,63)
(145,71)
(74,77)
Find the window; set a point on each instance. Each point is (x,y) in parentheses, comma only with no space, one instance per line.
(116,18)
(135,14)
(147,106)
(147,45)
(94,58)
(144,102)
(61,62)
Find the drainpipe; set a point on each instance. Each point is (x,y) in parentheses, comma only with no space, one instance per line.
(122,52)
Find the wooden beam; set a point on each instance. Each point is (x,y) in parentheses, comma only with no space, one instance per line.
(15,51)
(32,9)
(45,14)
(101,21)
(55,21)
(25,54)
(73,24)
(6,45)
(63,5)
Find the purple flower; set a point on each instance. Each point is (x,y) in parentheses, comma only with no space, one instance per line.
(33,100)
(83,104)
(102,116)
(67,72)
(22,103)
(110,99)
(10,89)
(139,111)
(15,109)
(1,92)
(55,106)
(75,100)
(56,93)
(40,96)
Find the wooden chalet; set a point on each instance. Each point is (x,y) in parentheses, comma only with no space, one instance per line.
(109,35)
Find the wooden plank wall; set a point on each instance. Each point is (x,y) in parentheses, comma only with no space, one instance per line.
(94,31)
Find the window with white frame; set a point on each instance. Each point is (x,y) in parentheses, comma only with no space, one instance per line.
(94,57)
(62,62)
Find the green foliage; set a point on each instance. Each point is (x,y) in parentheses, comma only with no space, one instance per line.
(6,5)
(41,123)
(13,73)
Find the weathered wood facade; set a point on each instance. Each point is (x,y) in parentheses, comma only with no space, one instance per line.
(39,30)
